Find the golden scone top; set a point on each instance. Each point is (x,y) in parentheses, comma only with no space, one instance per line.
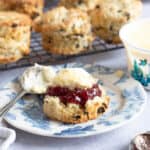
(118,9)
(67,20)
(17,2)
(74,78)
(32,8)
(14,19)
(81,4)
(55,16)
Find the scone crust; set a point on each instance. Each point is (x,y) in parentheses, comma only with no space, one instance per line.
(66,45)
(11,57)
(33,8)
(10,18)
(23,1)
(72,113)
(110,16)
(85,5)
(63,19)
(66,31)
(73,21)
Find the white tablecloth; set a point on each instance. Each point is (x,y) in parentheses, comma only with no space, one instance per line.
(115,140)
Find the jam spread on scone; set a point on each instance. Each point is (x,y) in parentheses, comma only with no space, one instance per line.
(76,96)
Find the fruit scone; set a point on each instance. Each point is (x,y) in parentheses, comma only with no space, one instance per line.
(111,15)
(66,31)
(33,8)
(75,97)
(14,36)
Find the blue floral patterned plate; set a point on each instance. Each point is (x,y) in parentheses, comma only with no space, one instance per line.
(127,100)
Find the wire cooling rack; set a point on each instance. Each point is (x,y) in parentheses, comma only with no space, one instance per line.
(39,55)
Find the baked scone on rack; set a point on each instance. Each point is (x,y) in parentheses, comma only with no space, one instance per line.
(14,36)
(75,97)
(85,5)
(111,15)
(33,8)
(66,31)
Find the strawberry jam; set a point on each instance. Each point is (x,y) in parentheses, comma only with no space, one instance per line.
(76,96)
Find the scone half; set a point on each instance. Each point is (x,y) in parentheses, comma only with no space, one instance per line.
(73,113)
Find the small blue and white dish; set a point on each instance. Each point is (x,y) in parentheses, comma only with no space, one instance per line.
(127,100)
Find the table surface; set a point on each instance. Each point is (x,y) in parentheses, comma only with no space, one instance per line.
(117,139)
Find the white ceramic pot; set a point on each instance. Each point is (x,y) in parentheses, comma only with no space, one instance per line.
(7,137)
(134,37)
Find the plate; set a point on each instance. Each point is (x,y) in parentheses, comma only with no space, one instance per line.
(127,100)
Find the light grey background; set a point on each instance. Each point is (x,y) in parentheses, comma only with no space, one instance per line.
(118,139)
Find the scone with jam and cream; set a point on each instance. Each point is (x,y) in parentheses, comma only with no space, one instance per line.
(75,97)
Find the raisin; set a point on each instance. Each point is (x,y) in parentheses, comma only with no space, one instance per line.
(127,15)
(14,25)
(100,110)
(104,105)
(77,45)
(77,117)
(119,11)
(34,15)
(61,30)
(81,35)
(98,28)
(97,6)
(80,2)
(109,41)
(49,40)
(86,113)
(111,28)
